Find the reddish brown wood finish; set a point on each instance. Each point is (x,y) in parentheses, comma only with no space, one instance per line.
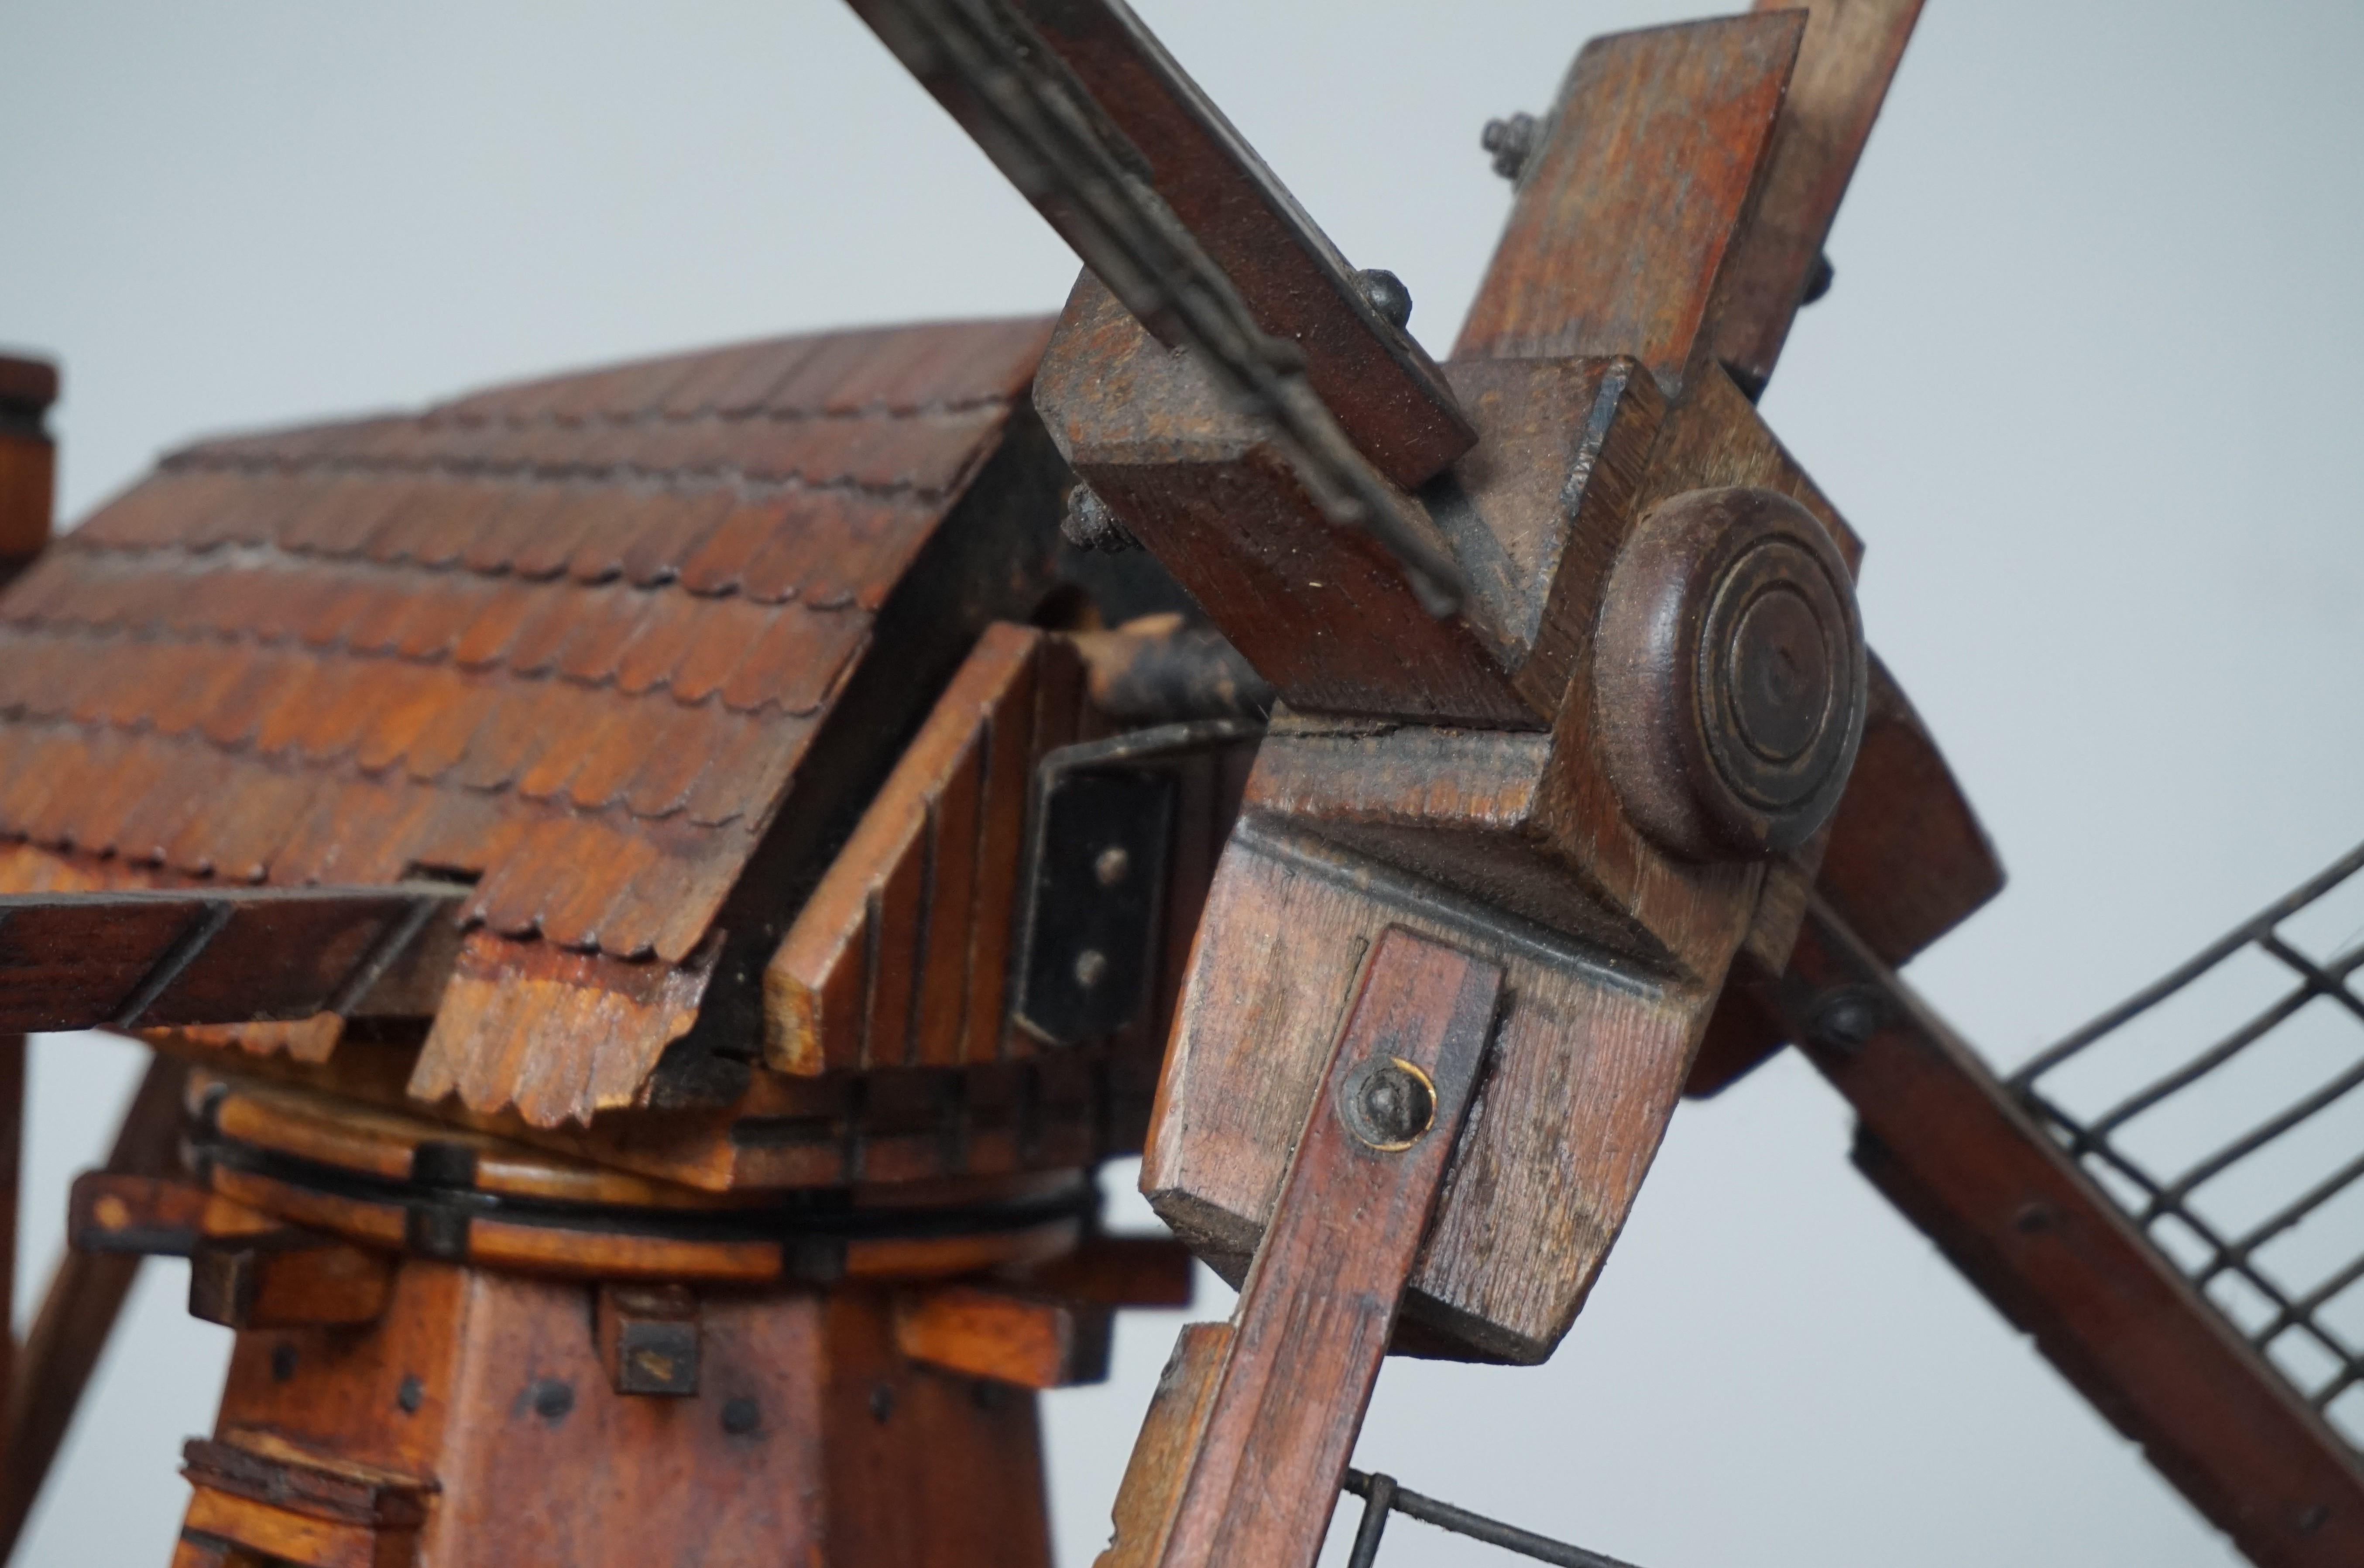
(482,1401)
(79,1309)
(1905,862)
(139,959)
(900,958)
(1941,1139)
(28,461)
(1320,1301)
(1030,1341)
(1845,63)
(1320,611)
(1628,210)
(1382,386)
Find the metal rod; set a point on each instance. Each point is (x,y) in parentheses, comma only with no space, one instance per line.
(1477,1527)
(1378,1499)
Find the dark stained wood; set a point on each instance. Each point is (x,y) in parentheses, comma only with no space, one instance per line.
(78,1311)
(28,461)
(12,1143)
(1383,388)
(135,959)
(1321,1299)
(1905,862)
(648,1338)
(1941,1140)
(1628,210)
(153,1215)
(1116,1270)
(1321,611)
(1849,53)
(1027,1340)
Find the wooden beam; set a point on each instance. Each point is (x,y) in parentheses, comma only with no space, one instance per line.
(1940,1137)
(1628,210)
(1844,64)
(1027,1340)
(78,1313)
(1257,1477)
(137,959)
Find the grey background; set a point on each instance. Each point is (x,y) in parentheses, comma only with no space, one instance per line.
(2087,384)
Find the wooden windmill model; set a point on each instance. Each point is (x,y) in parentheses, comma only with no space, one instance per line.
(652,890)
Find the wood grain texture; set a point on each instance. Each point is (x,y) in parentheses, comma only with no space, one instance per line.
(554,1036)
(12,1143)
(1320,1301)
(1154,1475)
(900,956)
(811,1439)
(1845,63)
(1321,611)
(1382,386)
(78,1310)
(1588,1064)
(1628,210)
(1905,862)
(1116,1270)
(1941,1140)
(1025,1341)
(138,959)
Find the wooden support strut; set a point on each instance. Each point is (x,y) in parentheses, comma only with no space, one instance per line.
(1943,1141)
(1241,1460)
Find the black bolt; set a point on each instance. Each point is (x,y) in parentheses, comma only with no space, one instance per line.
(2033,1218)
(987,1395)
(2314,1519)
(1387,294)
(410,1395)
(1089,525)
(1389,1105)
(1819,281)
(1511,141)
(882,1400)
(1844,1019)
(741,1416)
(553,1398)
(282,1361)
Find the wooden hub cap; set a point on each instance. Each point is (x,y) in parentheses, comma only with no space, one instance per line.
(1731,675)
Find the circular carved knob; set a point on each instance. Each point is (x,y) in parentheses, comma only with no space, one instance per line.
(1729,674)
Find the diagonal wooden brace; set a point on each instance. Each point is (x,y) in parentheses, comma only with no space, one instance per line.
(1243,1453)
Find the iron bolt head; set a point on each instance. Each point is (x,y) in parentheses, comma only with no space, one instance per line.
(1844,1019)
(1113,866)
(1511,140)
(1387,1103)
(1091,968)
(1387,294)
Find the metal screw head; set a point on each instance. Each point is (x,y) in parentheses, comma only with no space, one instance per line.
(1844,1019)
(1387,294)
(1091,968)
(1113,866)
(1387,1103)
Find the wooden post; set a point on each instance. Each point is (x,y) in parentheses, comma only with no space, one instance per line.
(1244,1462)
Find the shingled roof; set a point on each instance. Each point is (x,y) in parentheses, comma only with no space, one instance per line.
(571,638)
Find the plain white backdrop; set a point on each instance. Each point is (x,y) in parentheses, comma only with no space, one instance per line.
(2087,384)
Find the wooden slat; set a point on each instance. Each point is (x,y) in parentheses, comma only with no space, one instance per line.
(1387,393)
(1849,54)
(1940,1137)
(133,959)
(1628,208)
(78,1313)
(1321,1299)
(1028,1341)
(899,956)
